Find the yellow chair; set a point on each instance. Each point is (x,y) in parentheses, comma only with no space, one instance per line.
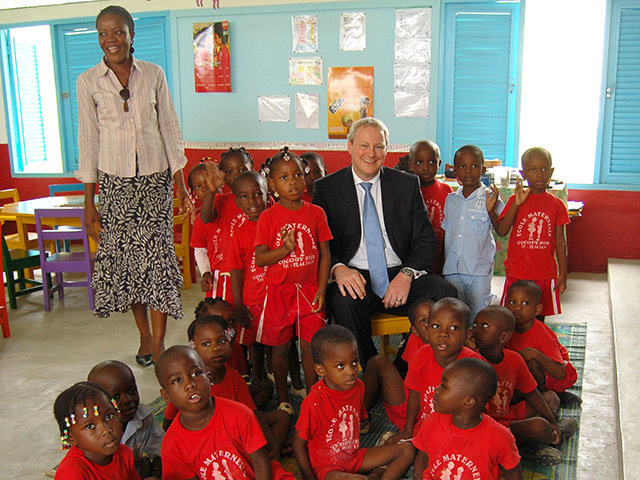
(181,244)
(385,324)
(13,239)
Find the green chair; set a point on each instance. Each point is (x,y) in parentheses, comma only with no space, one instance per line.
(17,260)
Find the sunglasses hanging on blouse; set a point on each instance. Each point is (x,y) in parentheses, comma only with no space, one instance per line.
(124,94)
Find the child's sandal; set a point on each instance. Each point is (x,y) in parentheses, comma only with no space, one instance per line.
(286,407)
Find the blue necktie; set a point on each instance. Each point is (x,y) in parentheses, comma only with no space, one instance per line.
(375,244)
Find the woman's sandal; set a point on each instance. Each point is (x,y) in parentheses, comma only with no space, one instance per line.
(144,360)
(300,393)
(286,407)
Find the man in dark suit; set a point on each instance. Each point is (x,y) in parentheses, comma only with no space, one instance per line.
(383,242)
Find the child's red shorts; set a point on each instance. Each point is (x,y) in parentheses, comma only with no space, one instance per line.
(351,465)
(568,381)
(398,413)
(288,306)
(517,411)
(550,297)
(247,336)
(221,286)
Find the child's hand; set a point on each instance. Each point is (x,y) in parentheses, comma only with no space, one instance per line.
(398,438)
(492,196)
(557,435)
(243,316)
(561,285)
(288,236)
(318,302)
(521,192)
(206,283)
(214,176)
(471,343)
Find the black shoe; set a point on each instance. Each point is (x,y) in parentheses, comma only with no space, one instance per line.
(568,397)
(144,360)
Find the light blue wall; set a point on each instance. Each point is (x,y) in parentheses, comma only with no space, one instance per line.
(260,47)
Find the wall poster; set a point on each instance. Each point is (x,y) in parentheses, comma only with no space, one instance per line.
(349,98)
(211,60)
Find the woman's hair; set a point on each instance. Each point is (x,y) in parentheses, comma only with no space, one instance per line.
(242,152)
(284,155)
(205,320)
(82,393)
(201,308)
(124,14)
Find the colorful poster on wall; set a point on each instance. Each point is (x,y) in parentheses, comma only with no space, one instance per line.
(211,60)
(304,32)
(349,97)
(305,71)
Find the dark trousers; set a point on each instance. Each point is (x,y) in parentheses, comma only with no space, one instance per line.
(356,314)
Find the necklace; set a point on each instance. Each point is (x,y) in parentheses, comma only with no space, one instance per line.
(125,94)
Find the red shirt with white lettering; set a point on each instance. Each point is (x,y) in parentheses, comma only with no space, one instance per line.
(242,256)
(230,217)
(469,454)
(532,242)
(425,374)
(311,227)
(207,235)
(75,465)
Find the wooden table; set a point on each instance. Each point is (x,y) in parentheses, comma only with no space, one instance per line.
(23,213)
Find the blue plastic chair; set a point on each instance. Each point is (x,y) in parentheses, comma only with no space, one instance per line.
(66,188)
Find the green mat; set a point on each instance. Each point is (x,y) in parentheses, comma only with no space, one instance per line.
(572,336)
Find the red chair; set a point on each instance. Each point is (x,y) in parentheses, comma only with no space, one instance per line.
(64,262)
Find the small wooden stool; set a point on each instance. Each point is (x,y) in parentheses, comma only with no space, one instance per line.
(383,325)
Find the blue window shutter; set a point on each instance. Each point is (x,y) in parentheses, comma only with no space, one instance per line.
(27,122)
(79,51)
(479,84)
(621,137)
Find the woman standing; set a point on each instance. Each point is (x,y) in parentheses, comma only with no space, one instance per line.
(130,144)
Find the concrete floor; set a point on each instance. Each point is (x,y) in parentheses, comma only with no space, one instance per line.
(48,352)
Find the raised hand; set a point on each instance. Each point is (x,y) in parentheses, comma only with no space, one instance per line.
(492,196)
(214,176)
(521,193)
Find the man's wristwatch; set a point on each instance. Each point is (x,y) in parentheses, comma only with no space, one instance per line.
(410,272)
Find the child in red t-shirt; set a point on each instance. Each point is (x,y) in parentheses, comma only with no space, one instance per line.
(532,420)
(382,380)
(425,161)
(292,242)
(89,422)
(206,242)
(538,219)
(447,333)
(327,438)
(211,437)
(458,440)
(217,206)
(546,357)
(314,169)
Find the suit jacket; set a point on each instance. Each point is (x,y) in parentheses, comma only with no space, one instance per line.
(405,216)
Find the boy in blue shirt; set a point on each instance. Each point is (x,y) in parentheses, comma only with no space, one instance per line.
(469,214)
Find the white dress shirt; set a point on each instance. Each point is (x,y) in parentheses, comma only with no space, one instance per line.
(360,259)
(112,140)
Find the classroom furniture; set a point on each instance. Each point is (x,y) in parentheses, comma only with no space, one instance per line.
(24,240)
(4,314)
(385,324)
(66,189)
(182,225)
(64,262)
(17,260)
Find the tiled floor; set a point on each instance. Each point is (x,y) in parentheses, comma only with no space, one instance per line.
(47,352)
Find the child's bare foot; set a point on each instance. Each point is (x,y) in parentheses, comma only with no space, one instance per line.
(377,473)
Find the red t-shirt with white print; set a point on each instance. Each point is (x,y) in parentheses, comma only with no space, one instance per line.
(532,243)
(242,256)
(301,265)
(230,217)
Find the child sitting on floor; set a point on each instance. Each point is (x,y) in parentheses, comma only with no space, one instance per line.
(546,357)
(314,169)
(425,161)
(531,420)
(211,437)
(90,427)
(538,219)
(458,440)
(327,439)
(211,336)
(382,380)
(142,432)
(448,330)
